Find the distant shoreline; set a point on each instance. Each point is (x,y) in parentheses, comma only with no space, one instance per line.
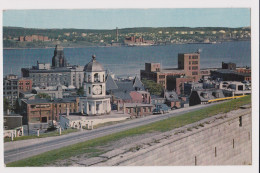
(119,46)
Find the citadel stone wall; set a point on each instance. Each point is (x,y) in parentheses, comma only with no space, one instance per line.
(224,139)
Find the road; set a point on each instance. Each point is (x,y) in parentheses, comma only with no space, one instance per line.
(18,150)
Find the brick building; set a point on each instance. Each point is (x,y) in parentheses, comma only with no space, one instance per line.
(172,79)
(44,110)
(190,63)
(154,72)
(25,84)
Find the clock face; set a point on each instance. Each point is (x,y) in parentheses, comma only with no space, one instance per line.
(97,89)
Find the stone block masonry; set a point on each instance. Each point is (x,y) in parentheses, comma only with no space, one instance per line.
(224,139)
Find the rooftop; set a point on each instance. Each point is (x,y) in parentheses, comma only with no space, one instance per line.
(39,101)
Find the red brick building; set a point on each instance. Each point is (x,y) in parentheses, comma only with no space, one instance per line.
(44,110)
(154,72)
(172,79)
(190,63)
(25,84)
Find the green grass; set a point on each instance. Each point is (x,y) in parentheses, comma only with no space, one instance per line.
(44,135)
(109,123)
(92,147)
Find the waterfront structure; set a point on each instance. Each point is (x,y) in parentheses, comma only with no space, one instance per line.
(134,41)
(95,100)
(44,110)
(44,75)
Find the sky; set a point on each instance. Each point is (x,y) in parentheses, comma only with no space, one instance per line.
(128,18)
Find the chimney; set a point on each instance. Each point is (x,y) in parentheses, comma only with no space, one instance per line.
(68,112)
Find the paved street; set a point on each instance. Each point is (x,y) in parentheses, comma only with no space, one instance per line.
(18,150)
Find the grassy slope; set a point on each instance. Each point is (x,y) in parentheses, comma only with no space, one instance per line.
(90,147)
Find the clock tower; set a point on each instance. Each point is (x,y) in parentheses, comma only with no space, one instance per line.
(95,100)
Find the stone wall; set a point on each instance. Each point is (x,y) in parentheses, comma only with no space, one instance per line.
(224,139)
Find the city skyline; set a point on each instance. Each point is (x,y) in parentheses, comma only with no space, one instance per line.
(128,18)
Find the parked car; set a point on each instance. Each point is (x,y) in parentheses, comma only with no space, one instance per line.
(161,109)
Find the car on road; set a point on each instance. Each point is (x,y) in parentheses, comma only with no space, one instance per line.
(161,109)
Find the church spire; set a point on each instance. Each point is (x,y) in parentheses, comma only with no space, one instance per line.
(58,60)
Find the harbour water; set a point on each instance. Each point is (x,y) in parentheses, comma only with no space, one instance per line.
(127,61)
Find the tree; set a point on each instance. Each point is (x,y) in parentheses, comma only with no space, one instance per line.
(153,87)
(43,95)
(80,91)
(17,108)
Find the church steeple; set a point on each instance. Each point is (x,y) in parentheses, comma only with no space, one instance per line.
(58,60)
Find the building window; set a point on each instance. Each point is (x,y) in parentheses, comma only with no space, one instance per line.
(233,143)
(195,68)
(194,73)
(240,121)
(96,77)
(97,107)
(89,108)
(215,151)
(194,62)
(89,91)
(195,160)
(161,76)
